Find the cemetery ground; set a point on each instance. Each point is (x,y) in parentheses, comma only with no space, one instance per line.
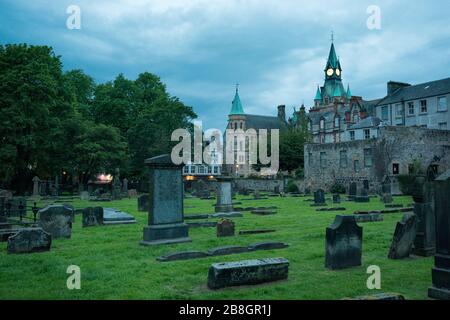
(114,265)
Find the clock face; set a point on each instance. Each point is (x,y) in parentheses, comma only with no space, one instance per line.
(330,72)
(338,72)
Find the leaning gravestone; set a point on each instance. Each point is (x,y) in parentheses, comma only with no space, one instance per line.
(247,272)
(343,243)
(404,235)
(166,221)
(352,189)
(224,195)
(143,203)
(92,217)
(225,228)
(56,220)
(28,240)
(441,270)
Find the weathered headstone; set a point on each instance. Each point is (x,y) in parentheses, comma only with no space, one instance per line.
(336,198)
(116,188)
(224,195)
(125,186)
(36,181)
(56,220)
(92,217)
(366,185)
(319,197)
(441,270)
(166,222)
(362,197)
(343,243)
(352,189)
(84,195)
(132,193)
(2,209)
(386,198)
(225,228)
(247,272)
(425,241)
(28,240)
(404,235)
(143,203)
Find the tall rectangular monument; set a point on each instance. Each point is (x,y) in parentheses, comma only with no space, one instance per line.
(165,220)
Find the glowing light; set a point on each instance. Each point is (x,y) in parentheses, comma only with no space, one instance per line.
(104,177)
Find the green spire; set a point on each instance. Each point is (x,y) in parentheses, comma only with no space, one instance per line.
(236,107)
(349,93)
(333,61)
(318,95)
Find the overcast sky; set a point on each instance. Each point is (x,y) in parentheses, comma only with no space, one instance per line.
(275,49)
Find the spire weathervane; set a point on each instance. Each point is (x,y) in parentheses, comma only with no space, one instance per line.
(237,87)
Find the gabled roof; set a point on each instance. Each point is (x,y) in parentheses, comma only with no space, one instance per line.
(236,106)
(257,122)
(423,90)
(318,94)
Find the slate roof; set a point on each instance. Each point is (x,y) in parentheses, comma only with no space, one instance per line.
(423,90)
(368,122)
(263,122)
(369,106)
(328,115)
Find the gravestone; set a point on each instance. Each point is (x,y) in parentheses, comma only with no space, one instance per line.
(386,186)
(36,181)
(404,235)
(386,198)
(116,188)
(336,198)
(2,209)
(56,220)
(352,189)
(28,240)
(92,217)
(143,203)
(441,270)
(132,193)
(84,195)
(225,228)
(166,222)
(425,241)
(362,197)
(125,186)
(247,272)
(343,243)
(224,195)
(319,197)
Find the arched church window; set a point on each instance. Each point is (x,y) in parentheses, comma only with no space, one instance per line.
(322,124)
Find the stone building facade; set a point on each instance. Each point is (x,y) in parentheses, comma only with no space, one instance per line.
(372,160)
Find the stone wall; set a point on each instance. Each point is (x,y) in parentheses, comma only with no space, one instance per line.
(395,146)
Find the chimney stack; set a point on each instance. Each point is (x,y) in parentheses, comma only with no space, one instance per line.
(282,113)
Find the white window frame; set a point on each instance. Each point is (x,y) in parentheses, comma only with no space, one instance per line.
(438,104)
(411,104)
(421,106)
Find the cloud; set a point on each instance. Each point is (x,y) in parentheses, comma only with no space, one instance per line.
(276,50)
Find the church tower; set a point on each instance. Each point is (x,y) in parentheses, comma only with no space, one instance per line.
(333,89)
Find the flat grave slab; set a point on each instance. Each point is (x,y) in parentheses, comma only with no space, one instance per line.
(247,272)
(114,216)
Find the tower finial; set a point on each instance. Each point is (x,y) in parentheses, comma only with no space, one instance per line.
(237,87)
(332,36)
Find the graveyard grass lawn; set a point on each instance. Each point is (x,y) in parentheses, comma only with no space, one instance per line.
(114,265)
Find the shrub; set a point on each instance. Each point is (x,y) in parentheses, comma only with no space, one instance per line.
(299,173)
(291,186)
(337,188)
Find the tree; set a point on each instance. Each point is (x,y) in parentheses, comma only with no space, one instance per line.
(292,142)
